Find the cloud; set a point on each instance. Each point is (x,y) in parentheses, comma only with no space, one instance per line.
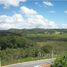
(7,3)
(28,11)
(64,26)
(52,25)
(28,19)
(37,20)
(14,21)
(65,12)
(47,3)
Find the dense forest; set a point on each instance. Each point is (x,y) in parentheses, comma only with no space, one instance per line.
(31,44)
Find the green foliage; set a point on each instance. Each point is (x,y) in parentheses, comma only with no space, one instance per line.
(60,62)
(14,42)
(17,45)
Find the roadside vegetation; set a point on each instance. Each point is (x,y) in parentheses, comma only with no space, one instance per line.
(60,62)
(28,45)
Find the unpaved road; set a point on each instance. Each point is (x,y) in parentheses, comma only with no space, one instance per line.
(31,63)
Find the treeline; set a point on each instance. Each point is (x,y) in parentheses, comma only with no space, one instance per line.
(30,31)
(28,38)
(15,42)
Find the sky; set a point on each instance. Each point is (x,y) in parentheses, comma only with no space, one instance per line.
(28,14)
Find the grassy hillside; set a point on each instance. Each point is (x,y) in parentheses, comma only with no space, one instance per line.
(31,44)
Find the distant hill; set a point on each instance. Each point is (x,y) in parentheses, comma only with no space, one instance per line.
(36,30)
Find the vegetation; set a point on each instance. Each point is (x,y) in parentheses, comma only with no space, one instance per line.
(60,62)
(25,45)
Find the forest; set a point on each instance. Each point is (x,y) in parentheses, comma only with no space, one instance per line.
(20,45)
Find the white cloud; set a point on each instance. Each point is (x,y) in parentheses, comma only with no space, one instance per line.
(29,19)
(35,19)
(47,3)
(52,24)
(14,21)
(64,26)
(7,3)
(27,11)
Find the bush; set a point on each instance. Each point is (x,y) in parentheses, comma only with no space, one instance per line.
(61,62)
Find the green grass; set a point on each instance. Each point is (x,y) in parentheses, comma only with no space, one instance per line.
(46,35)
(58,47)
(0,62)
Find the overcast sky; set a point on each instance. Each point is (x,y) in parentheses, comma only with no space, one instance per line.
(33,14)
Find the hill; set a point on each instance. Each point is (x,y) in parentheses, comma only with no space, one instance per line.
(31,44)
